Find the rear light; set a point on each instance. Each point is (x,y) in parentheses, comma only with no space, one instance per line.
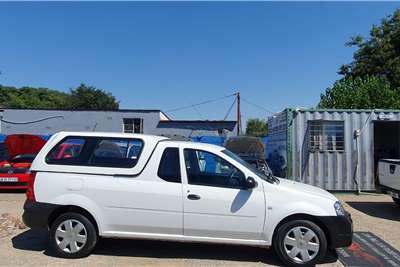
(30,192)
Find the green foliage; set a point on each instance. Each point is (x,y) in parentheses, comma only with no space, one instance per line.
(378,55)
(28,97)
(256,127)
(83,97)
(361,93)
(88,97)
(372,79)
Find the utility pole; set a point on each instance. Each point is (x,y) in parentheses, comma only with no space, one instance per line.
(238,115)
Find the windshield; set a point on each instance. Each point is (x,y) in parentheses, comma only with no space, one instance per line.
(267,176)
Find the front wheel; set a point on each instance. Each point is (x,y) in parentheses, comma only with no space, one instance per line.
(72,235)
(396,200)
(300,243)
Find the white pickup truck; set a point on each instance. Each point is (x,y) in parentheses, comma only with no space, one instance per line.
(389,178)
(141,186)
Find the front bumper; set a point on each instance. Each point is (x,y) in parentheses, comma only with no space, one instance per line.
(20,183)
(36,214)
(340,230)
(388,190)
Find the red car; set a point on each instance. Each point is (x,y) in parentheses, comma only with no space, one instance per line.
(20,150)
(66,150)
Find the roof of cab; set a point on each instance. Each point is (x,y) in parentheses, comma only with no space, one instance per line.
(195,144)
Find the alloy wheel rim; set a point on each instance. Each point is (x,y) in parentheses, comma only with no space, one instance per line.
(71,236)
(301,244)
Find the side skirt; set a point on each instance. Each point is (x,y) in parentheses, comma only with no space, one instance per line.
(182,238)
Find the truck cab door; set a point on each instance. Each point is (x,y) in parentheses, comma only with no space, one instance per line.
(216,204)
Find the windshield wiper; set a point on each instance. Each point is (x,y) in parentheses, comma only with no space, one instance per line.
(272,178)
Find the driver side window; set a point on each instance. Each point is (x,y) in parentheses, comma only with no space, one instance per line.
(205,168)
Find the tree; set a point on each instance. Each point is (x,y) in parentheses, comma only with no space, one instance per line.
(256,127)
(361,93)
(372,79)
(83,97)
(28,97)
(89,97)
(378,55)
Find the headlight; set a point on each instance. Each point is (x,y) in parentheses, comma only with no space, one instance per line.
(339,209)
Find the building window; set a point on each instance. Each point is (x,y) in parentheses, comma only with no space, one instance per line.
(133,125)
(326,135)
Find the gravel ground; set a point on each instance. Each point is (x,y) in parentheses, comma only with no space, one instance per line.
(21,246)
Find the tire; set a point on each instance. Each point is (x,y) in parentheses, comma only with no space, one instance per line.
(67,242)
(315,248)
(396,201)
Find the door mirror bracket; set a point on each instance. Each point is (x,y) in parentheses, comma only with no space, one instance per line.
(250,183)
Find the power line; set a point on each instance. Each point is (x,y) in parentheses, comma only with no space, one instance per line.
(257,106)
(229,110)
(198,112)
(201,103)
(34,121)
(193,106)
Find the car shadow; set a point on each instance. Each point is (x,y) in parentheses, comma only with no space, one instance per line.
(241,198)
(384,210)
(31,240)
(38,241)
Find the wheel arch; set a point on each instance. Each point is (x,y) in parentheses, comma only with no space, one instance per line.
(303,216)
(72,208)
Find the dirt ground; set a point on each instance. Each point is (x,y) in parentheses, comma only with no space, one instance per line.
(21,246)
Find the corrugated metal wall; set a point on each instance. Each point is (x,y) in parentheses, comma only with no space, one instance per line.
(276,149)
(334,170)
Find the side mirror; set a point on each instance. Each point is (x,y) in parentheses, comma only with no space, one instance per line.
(250,183)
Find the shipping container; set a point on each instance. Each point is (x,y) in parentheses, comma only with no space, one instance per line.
(332,149)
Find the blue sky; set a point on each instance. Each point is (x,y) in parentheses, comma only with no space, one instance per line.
(164,55)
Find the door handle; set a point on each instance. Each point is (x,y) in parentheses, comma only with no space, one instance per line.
(193,197)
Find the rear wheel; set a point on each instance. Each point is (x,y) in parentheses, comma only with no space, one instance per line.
(300,243)
(72,235)
(396,200)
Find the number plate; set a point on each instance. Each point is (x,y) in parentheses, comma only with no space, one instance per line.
(8,179)
(393,194)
